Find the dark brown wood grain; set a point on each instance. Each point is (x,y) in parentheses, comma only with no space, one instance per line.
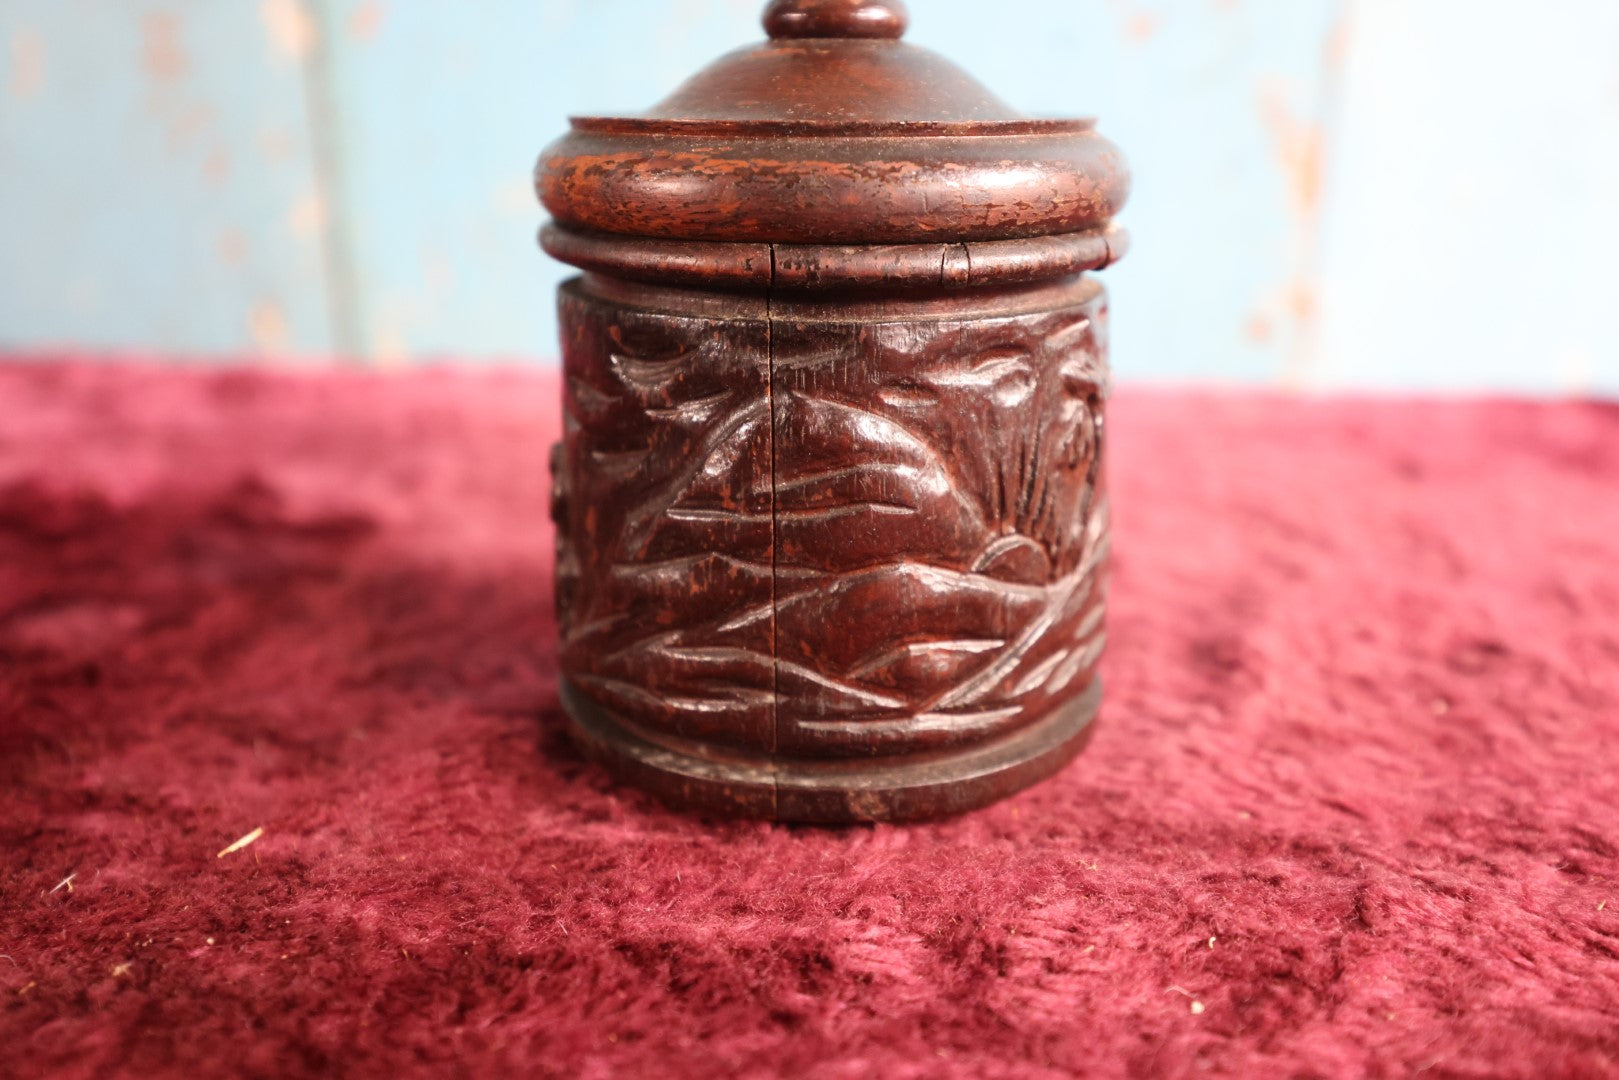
(831,504)
(940,524)
(985,182)
(835,19)
(848,138)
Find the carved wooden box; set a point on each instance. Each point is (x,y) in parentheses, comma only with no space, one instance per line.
(832,517)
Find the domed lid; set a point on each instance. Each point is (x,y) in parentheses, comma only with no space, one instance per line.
(832,132)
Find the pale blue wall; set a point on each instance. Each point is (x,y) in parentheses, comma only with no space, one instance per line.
(156,186)
(1377,193)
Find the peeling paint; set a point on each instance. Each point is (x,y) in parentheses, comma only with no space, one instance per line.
(267,327)
(1301,301)
(27,62)
(1298,146)
(1305,128)
(163,55)
(1259,329)
(290,27)
(307,218)
(1141,27)
(365,22)
(390,348)
(1139,24)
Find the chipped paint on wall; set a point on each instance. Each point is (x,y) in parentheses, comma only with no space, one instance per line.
(1473,199)
(149,150)
(350,176)
(163,56)
(290,27)
(1298,143)
(365,21)
(27,63)
(1137,23)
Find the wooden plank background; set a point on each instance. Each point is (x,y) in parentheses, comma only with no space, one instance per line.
(1383,194)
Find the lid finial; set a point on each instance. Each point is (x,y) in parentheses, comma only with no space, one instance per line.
(835,19)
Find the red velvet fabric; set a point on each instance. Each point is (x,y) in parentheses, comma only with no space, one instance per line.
(1351,810)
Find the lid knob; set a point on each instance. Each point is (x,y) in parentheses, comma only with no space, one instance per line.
(835,19)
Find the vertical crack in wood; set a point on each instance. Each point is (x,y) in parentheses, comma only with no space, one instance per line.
(775,656)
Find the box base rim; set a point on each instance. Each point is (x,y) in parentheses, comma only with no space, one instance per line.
(834,790)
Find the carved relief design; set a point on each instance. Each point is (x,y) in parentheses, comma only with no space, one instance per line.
(831,538)
(665,540)
(940,525)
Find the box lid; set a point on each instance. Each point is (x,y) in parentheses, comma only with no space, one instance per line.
(832,132)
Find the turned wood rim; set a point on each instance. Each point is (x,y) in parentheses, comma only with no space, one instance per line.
(829,268)
(954,129)
(906,187)
(833,791)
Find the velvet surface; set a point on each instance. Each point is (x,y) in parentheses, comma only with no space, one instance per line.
(1351,809)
